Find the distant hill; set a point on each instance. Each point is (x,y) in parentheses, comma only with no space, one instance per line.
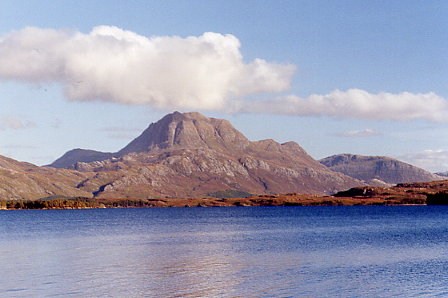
(191,155)
(79,155)
(377,170)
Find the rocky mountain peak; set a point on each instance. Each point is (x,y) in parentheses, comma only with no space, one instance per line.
(174,131)
(187,130)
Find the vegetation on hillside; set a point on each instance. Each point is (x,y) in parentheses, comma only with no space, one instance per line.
(52,203)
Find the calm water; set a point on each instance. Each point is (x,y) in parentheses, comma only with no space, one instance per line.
(225,252)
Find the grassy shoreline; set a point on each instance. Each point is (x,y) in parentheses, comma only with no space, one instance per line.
(280,200)
(430,193)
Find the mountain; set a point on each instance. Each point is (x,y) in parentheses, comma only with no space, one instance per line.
(377,170)
(176,130)
(20,180)
(188,130)
(191,155)
(79,155)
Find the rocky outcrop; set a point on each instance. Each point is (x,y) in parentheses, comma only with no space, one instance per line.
(377,170)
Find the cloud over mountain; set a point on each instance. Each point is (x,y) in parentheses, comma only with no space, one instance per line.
(356,103)
(112,64)
(206,72)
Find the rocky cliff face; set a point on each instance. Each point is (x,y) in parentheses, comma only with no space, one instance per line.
(190,155)
(377,170)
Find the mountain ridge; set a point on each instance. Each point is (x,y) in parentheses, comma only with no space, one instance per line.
(189,154)
(183,155)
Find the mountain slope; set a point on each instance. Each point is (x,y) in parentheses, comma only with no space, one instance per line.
(20,180)
(377,169)
(79,155)
(192,155)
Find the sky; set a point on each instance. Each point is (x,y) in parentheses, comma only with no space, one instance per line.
(361,77)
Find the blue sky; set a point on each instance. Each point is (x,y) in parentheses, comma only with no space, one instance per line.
(364,77)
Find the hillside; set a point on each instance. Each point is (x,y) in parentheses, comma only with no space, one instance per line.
(20,180)
(377,170)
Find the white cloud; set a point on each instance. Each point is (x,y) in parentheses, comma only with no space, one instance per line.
(14,123)
(356,103)
(431,160)
(359,133)
(111,64)
(205,72)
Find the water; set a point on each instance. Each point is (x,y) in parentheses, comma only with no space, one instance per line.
(225,252)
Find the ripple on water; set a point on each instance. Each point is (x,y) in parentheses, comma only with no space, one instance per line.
(236,252)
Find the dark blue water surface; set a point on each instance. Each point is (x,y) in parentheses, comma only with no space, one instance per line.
(225,252)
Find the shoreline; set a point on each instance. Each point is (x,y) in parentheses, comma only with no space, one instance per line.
(277,201)
(432,193)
